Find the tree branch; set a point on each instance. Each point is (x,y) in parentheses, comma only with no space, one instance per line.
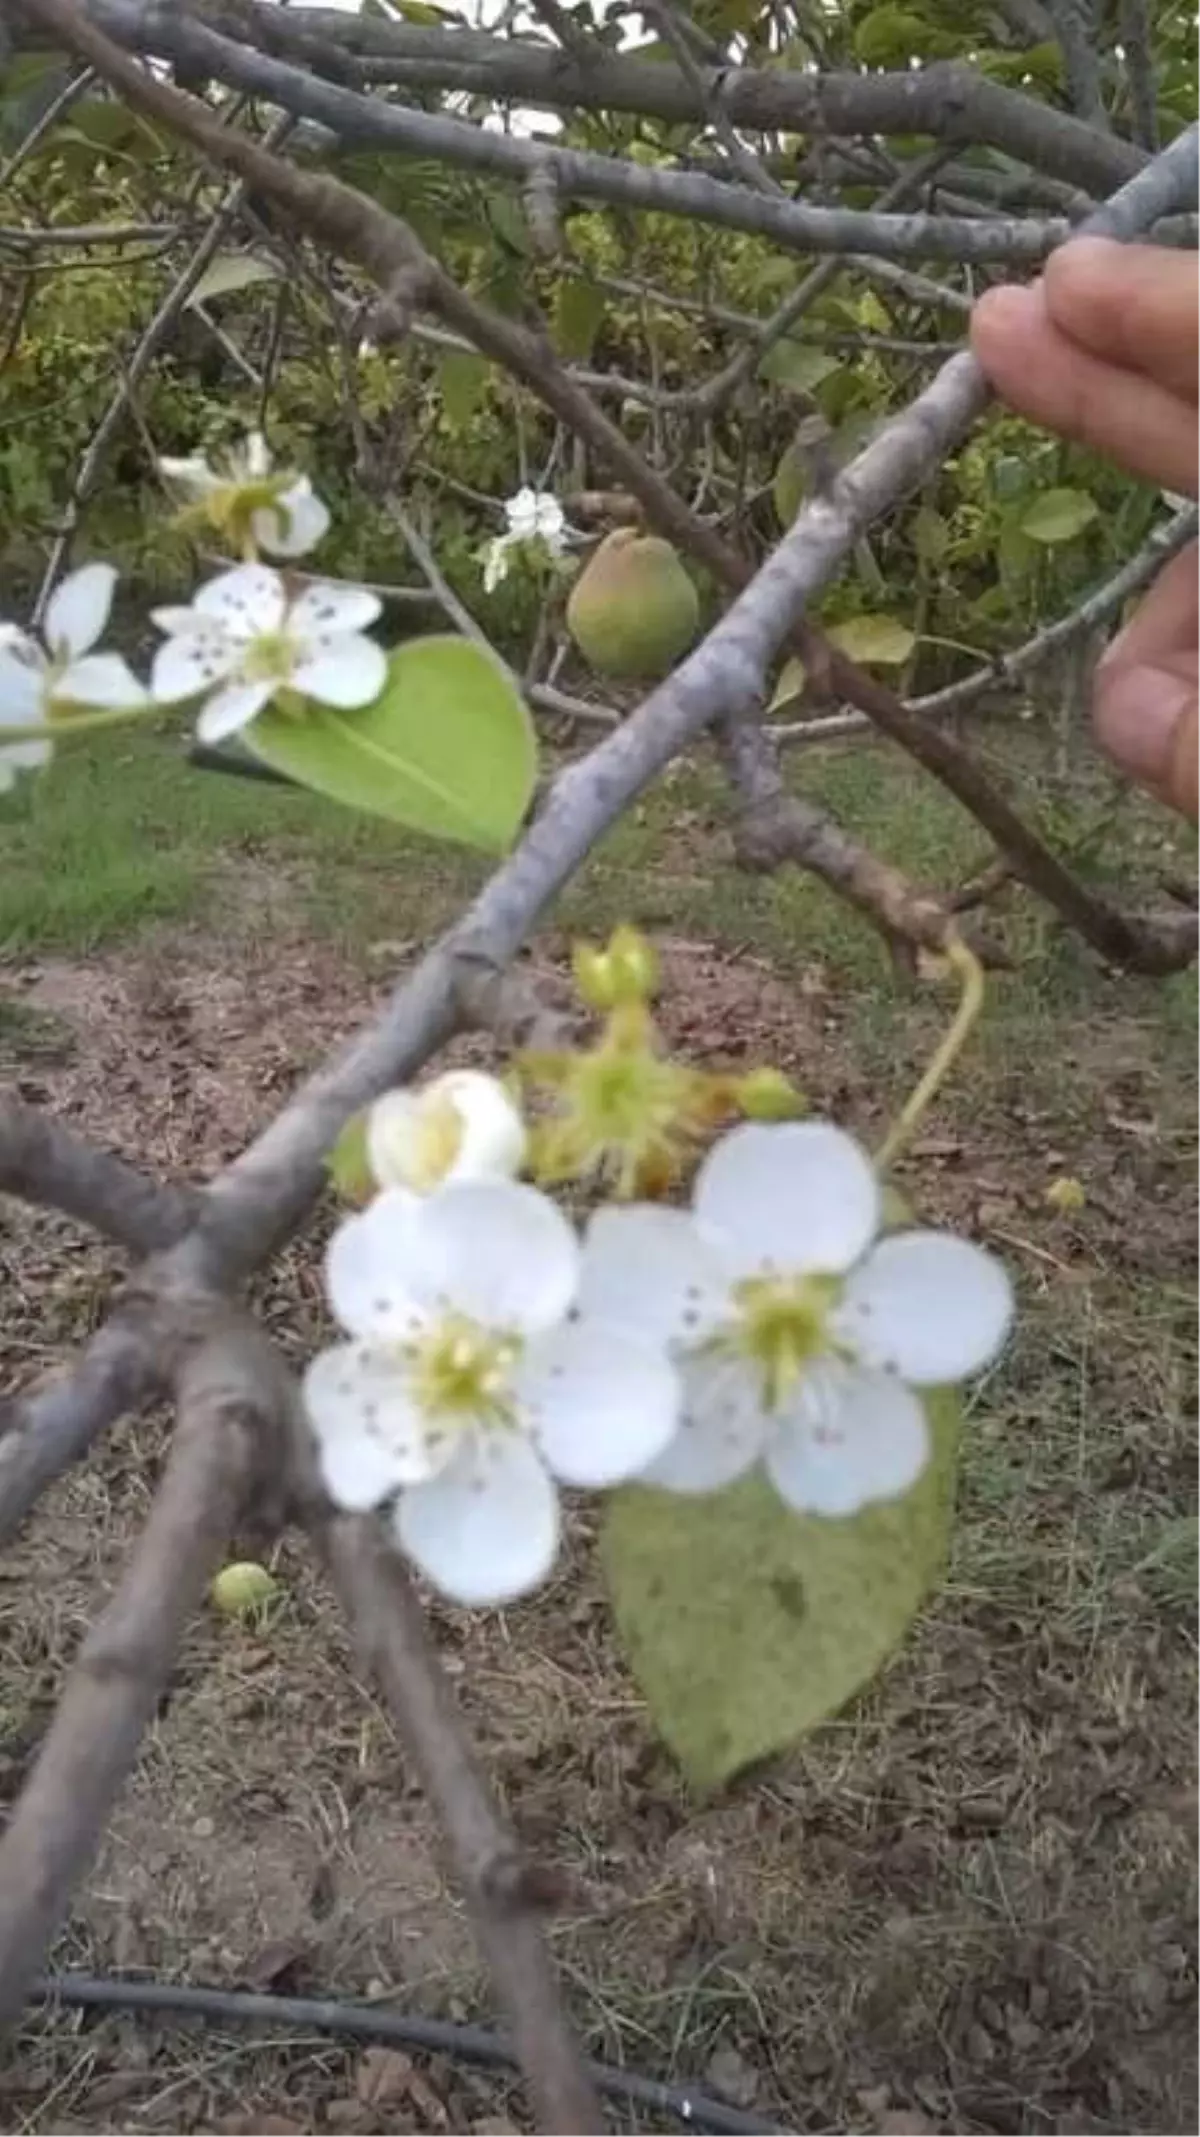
(41,1161)
(503,1891)
(948,100)
(230,1399)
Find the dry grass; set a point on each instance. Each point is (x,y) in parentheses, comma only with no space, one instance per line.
(963,1905)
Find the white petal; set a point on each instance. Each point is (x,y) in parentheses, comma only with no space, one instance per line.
(486,1530)
(192,474)
(22,687)
(293,527)
(490,1132)
(521,512)
(231,709)
(256,456)
(500,1253)
(797,1196)
(22,757)
(550,519)
(77,611)
(330,607)
(600,1404)
(722,1427)
(186,665)
(495,564)
(175,617)
(370,1435)
(928,1306)
(100,679)
(849,1437)
(493,1141)
(362,1265)
(345,670)
(247,601)
(648,1270)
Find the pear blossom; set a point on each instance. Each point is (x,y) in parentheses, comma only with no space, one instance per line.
(462,1126)
(466,1390)
(246,637)
(280,512)
(38,680)
(799,1335)
(533,516)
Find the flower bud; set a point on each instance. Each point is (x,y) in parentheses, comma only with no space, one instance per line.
(767,1094)
(243,1589)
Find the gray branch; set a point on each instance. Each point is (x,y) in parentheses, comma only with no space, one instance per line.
(1075,28)
(41,1161)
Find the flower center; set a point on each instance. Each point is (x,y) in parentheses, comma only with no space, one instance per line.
(437,1138)
(462,1373)
(270,658)
(783,1324)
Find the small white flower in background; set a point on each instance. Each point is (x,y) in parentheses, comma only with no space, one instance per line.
(533,516)
(799,1335)
(283,513)
(244,638)
(36,681)
(467,1391)
(462,1126)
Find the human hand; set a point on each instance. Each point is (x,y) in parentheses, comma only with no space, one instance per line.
(1103,350)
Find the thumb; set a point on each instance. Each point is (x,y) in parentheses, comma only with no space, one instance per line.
(1146,719)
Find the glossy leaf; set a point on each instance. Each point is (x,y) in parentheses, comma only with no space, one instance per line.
(876,641)
(463,382)
(1058,516)
(747,1624)
(796,365)
(229,273)
(447,747)
(579,309)
(789,688)
(347,1164)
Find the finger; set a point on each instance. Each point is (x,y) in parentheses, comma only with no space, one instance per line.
(1122,414)
(1146,721)
(1131,305)
(1165,622)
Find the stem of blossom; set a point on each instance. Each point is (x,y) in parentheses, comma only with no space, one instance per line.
(81,723)
(970,971)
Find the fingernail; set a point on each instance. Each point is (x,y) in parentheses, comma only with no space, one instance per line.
(1137,713)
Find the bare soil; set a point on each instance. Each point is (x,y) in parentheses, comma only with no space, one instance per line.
(964,1905)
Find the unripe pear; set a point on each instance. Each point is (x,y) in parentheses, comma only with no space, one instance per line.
(243,1589)
(633,610)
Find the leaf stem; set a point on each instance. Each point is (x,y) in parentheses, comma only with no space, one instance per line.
(970,971)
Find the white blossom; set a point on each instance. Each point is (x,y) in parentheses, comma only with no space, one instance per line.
(533,516)
(244,638)
(38,680)
(462,1126)
(289,522)
(798,1334)
(466,1390)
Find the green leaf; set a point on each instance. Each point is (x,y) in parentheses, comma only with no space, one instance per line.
(890,37)
(579,309)
(462,382)
(447,747)
(1058,516)
(797,365)
(747,1624)
(931,534)
(230,272)
(347,1162)
(876,641)
(789,688)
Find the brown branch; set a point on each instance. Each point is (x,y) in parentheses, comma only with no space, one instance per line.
(43,1432)
(504,1892)
(230,1398)
(42,1161)
(777,827)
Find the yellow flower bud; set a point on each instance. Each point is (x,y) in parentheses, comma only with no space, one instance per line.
(1066,1195)
(767,1094)
(243,1589)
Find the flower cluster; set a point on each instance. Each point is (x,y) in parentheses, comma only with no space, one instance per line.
(494,1352)
(249,639)
(536,526)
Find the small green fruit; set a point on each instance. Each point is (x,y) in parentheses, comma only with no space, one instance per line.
(633,610)
(243,1589)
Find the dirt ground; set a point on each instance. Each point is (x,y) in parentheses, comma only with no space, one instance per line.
(965,1905)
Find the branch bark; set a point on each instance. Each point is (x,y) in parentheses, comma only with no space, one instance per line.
(230,1397)
(42,1162)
